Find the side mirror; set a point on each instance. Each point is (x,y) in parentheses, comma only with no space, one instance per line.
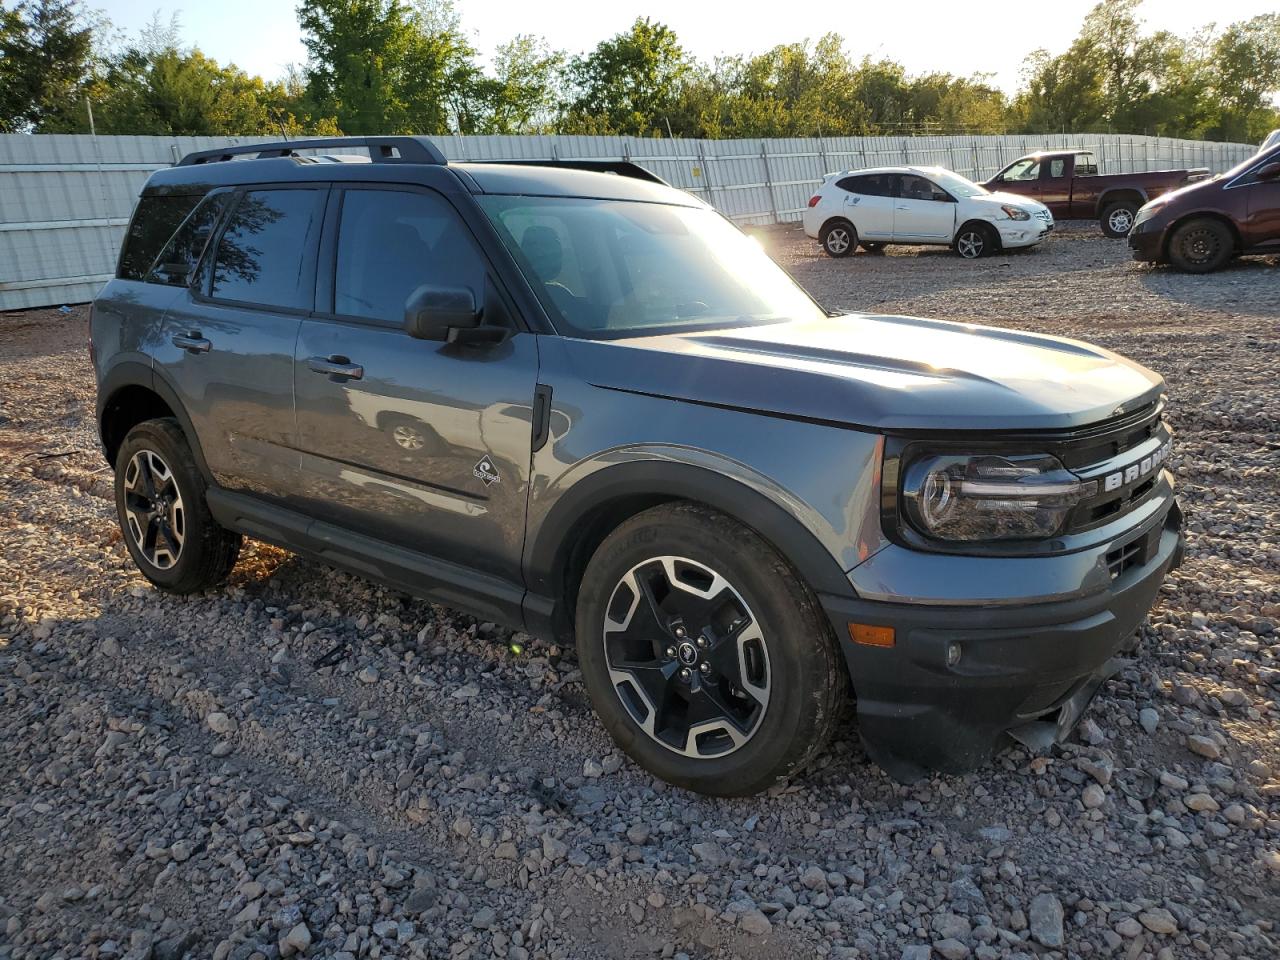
(1269,171)
(434,313)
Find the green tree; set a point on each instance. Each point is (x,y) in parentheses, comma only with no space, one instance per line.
(524,92)
(629,84)
(1245,76)
(46,53)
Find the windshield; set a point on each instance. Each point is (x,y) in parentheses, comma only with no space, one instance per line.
(957,185)
(614,268)
(1244,165)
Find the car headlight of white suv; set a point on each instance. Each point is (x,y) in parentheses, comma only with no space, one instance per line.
(1014,213)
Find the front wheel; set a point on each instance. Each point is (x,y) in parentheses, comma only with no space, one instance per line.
(166,523)
(705,657)
(976,240)
(1200,246)
(839,238)
(1117,219)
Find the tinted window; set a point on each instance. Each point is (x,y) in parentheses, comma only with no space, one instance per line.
(869,184)
(1086,165)
(178,260)
(1025,169)
(912,187)
(392,242)
(152,225)
(261,257)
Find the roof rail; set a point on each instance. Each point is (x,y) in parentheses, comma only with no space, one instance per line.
(381,149)
(623,168)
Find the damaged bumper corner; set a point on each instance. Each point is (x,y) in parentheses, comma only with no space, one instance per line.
(1026,672)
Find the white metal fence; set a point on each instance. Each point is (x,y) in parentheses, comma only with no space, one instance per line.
(65,200)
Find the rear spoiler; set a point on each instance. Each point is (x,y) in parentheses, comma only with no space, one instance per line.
(623,168)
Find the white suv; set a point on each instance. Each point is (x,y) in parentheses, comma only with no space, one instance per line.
(920,205)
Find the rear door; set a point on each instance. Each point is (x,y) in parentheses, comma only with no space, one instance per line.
(868,204)
(422,444)
(227,343)
(1262,221)
(923,212)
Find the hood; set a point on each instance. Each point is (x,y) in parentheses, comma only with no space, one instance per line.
(880,372)
(1027,203)
(1199,186)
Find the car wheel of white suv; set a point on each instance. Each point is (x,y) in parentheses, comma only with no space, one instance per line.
(839,238)
(976,240)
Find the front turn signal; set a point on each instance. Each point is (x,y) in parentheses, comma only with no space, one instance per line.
(870,636)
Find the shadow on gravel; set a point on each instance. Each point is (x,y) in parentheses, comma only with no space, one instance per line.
(1256,280)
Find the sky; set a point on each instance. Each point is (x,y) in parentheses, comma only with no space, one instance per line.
(261,36)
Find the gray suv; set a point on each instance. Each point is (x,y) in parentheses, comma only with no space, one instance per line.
(581,403)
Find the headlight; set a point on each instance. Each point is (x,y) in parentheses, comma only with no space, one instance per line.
(1147,211)
(1015,213)
(968,498)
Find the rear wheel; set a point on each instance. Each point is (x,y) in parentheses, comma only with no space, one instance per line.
(166,523)
(706,659)
(1117,218)
(1200,246)
(839,238)
(976,240)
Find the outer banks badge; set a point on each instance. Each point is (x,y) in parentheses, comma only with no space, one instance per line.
(486,471)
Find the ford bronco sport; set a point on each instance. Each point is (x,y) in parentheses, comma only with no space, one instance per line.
(583,404)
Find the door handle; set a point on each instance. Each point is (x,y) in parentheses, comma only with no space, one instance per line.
(191,342)
(852,201)
(904,208)
(336,368)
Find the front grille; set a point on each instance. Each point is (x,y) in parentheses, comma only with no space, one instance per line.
(1044,216)
(1125,459)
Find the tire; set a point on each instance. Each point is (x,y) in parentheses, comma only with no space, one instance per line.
(1201,245)
(178,547)
(976,240)
(1117,219)
(839,238)
(873,246)
(765,637)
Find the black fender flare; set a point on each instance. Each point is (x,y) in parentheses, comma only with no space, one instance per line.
(549,545)
(134,373)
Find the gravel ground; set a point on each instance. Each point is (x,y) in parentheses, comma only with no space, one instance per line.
(181,779)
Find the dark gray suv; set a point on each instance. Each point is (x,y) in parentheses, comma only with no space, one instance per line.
(581,403)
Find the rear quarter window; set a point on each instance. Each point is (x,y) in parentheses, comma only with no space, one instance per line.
(154,222)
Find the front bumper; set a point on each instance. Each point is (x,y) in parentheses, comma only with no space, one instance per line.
(1024,671)
(1023,233)
(1146,240)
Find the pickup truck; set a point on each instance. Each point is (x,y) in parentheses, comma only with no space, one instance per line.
(1069,184)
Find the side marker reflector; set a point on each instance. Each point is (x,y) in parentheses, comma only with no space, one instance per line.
(869,636)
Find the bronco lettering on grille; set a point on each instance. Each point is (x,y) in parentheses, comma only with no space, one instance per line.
(1137,469)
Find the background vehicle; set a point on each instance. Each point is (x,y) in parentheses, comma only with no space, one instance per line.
(1069,184)
(651,443)
(919,205)
(1200,227)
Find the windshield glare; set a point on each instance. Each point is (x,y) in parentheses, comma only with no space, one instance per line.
(957,185)
(614,268)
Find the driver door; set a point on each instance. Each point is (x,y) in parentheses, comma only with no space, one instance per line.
(418,443)
(923,211)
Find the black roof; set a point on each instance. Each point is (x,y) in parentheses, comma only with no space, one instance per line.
(412,160)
